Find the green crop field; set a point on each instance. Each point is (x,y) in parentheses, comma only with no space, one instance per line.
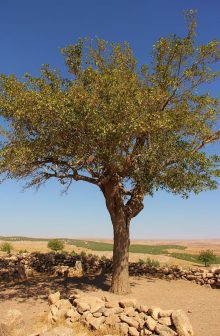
(134,248)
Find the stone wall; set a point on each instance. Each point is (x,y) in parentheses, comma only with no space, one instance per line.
(123,316)
(22,266)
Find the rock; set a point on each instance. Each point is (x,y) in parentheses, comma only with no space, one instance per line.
(12,324)
(147,332)
(75,317)
(112,304)
(131,322)
(58,331)
(96,323)
(165,321)
(129,311)
(163,330)
(154,312)
(112,320)
(150,323)
(123,328)
(70,312)
(182,323)
(128,303)
(53,298)
(97,314)
(81,305)
(143,309)
(133,331)
(165,313)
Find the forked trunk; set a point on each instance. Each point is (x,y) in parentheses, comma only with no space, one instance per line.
(120,274)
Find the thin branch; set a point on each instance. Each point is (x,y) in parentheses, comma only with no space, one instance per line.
(212,138)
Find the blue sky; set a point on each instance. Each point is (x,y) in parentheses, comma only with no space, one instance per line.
(31,33)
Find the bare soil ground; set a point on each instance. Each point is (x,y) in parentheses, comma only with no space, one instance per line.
(30,297)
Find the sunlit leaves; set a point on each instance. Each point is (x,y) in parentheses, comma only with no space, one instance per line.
(111,117)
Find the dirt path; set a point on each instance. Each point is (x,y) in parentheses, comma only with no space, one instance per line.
(200,303)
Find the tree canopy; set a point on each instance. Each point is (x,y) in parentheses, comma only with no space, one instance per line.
(129,129)
(144,126)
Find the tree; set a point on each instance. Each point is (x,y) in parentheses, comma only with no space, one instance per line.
(6,247)
(55,245)
(207,257)
(128,130)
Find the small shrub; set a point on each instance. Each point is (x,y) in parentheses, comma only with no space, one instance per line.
(207,257)
(152,262)
(74,253)
(55,245)
(141,261)
(23,251)
(103,258)
(83,254)
(6,247)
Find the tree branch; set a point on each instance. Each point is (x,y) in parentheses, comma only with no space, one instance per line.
(214,137)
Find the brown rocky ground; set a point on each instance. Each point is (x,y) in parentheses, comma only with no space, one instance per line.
(30,297)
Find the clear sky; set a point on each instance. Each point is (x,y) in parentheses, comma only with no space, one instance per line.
(31,33)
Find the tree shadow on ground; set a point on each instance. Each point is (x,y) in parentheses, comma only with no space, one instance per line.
(41,285)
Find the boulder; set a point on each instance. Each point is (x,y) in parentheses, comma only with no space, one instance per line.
(133,331)
(150,323)
(130,321)
(128,303)
(154,312)
(163,330)
(53,298)
(182,323)
(96,323)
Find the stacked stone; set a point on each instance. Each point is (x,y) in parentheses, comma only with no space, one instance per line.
(21,266)
(124,316)
(15,267)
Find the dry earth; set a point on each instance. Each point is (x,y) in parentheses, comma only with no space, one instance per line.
(202,304)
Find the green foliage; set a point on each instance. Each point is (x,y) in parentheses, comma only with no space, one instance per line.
(149,262)
(83,254)
(152,262)
(74,253)
(145,129)
(103,258)
(185,256)
(6,247)
(23,251)
(207,257)
(141,261)
(134,248)
(55,245)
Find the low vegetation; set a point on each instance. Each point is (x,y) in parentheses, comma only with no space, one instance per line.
(207,257)
(56,245)
(6,247)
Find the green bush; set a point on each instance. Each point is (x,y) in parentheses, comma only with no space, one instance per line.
(55,245)
(6,247)
(83,254)
(141,261)
(74,253)
(207,257)
(23,251)
(152,262)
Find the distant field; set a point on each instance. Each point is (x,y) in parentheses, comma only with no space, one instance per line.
(163,251)
(134,248)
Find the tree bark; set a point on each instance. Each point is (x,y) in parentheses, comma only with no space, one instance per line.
(120,272)
(120,221)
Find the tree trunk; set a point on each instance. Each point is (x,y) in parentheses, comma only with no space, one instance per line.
(120,274)
(120,222)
